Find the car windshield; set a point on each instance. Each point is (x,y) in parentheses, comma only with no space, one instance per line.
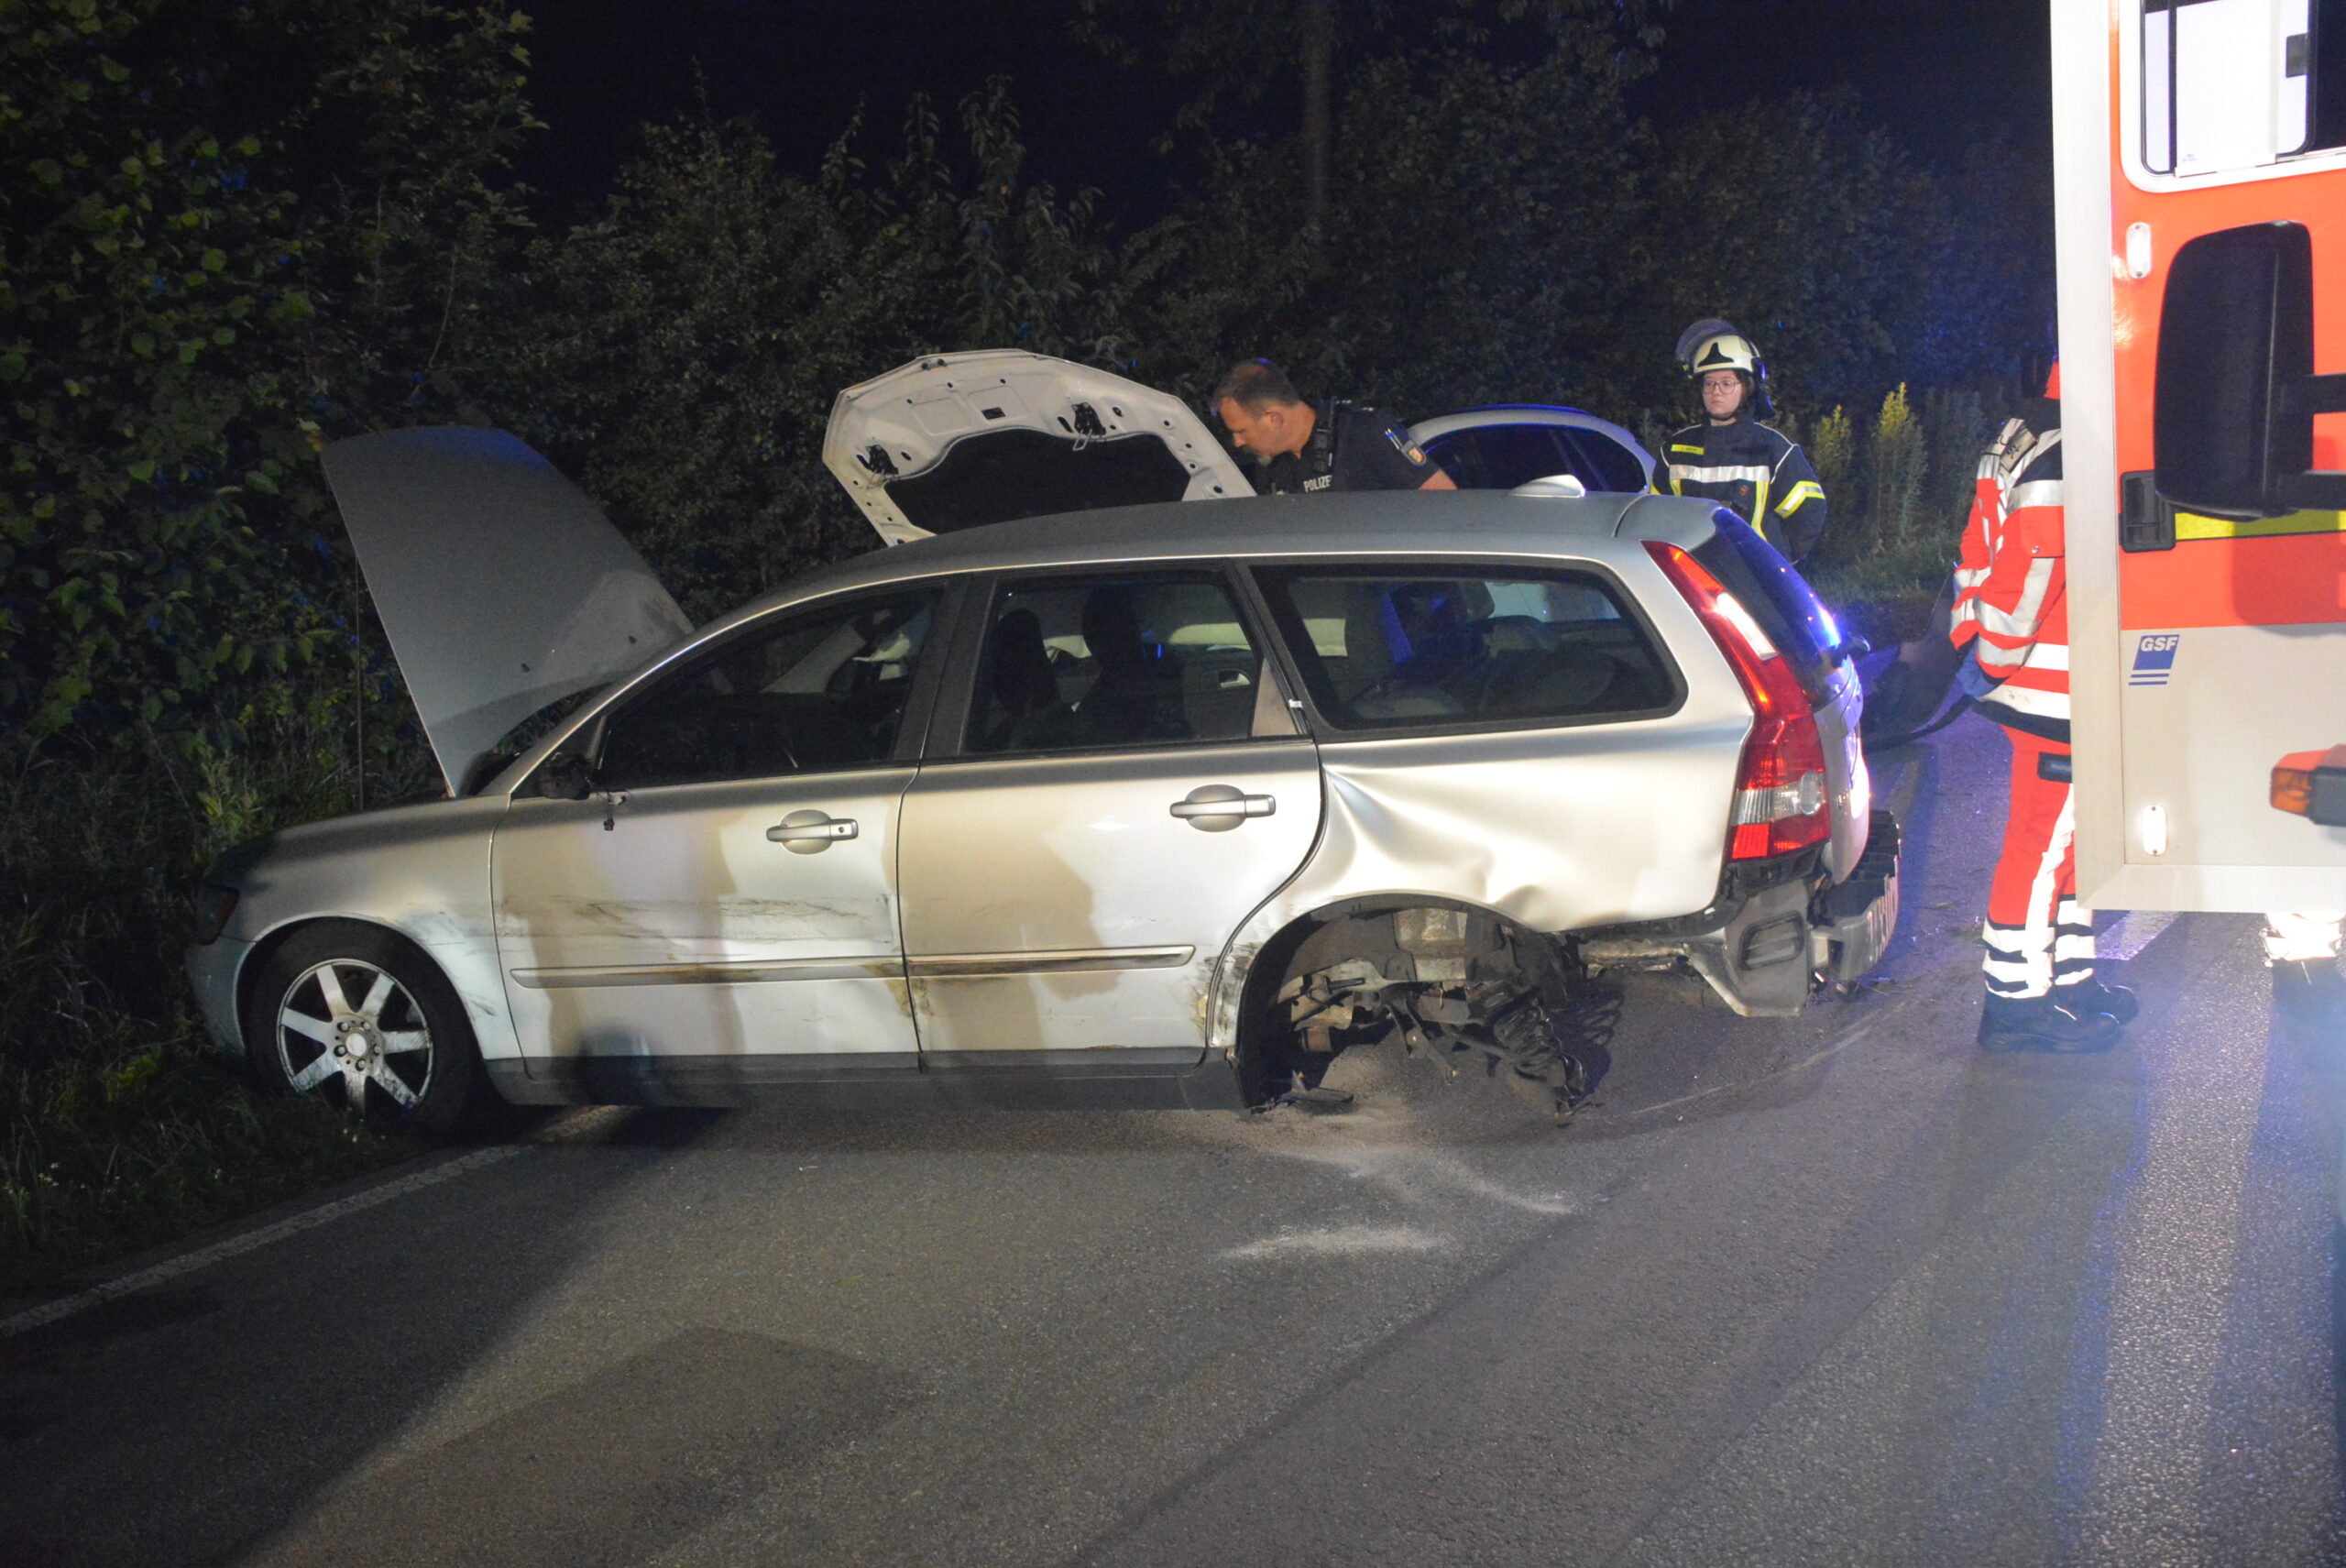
(511,745)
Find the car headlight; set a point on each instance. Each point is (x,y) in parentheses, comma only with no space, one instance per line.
(213,905)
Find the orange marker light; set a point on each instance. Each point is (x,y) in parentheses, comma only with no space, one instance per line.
(2293,778)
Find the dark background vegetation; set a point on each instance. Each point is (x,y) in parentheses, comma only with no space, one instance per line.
(231,232)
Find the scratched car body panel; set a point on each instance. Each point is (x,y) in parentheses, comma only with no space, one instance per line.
(1080,809)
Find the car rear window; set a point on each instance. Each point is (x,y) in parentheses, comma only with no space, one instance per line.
(1417,645)
(1779,598)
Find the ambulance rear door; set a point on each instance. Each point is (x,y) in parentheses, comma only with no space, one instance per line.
(2202,238)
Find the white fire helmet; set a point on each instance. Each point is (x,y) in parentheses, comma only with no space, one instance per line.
(1713,344)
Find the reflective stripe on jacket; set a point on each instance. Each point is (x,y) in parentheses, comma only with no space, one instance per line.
(2012,603)
(1755,472)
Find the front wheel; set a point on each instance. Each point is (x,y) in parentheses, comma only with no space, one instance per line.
(359,1016)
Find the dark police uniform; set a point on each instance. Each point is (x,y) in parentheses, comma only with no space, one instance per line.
(1756,473)
(1351,449)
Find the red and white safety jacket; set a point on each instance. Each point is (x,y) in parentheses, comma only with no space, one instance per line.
(2011,602)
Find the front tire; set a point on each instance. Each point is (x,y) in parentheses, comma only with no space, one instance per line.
(358,1017)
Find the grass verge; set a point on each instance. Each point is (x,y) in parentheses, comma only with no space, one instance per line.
(119,1129)
(108,1152)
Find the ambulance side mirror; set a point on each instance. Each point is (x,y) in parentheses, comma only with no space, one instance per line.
(2233,425)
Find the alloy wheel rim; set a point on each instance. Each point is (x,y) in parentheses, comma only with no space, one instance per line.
(350,1022)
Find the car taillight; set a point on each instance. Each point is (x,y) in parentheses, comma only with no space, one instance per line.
(1782,803)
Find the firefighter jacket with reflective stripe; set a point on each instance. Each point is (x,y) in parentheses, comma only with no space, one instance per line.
(2012,603)
(1753,471)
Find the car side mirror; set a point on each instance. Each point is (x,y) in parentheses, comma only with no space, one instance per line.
(2233,422)
(565,776)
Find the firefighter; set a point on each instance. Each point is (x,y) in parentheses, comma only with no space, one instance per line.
(1334,446)
(2011,615)
(1730,458)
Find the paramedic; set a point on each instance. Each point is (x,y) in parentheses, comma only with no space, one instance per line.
(2011,615)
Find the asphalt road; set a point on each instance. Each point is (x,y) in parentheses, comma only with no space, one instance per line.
(1836,1290)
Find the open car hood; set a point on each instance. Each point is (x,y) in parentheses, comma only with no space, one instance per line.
(502,586)
(957,441)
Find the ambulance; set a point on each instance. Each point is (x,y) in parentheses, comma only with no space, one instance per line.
(2199,156)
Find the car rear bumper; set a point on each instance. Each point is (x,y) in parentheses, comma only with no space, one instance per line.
(1763,949)
(1854,921)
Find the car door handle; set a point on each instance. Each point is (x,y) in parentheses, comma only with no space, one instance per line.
(811,832)
(1216,808)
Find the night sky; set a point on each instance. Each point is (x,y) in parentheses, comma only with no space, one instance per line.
(1941,74)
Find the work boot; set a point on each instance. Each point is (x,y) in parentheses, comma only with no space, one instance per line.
(2045,1023)
(2310,990)
(2090,995)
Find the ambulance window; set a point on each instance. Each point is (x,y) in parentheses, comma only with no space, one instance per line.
(2234,84)
(2326,94)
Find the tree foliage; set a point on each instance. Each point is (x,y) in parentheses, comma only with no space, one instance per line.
(150,300)
(183,317)
(684,349)
(233,231)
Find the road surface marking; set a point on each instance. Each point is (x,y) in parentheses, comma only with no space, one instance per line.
(568,1128)
(251,1241)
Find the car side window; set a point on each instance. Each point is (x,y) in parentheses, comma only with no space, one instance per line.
(1609,466)
(1403,646)
(812,693)
(1501,456)
(1135,660)
(1458,456)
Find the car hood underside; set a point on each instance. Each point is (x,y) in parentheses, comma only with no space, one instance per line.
(958,441)
(501,587)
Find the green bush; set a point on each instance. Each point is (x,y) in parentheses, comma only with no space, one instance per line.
(1898,515)
(1895,464)
(118,1128)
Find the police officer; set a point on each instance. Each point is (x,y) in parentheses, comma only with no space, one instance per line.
(2012,618)
(1331,446)
(1733,459)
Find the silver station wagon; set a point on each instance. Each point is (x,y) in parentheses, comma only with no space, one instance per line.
(1162,804)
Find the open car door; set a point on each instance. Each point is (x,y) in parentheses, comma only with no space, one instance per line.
(958,441)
